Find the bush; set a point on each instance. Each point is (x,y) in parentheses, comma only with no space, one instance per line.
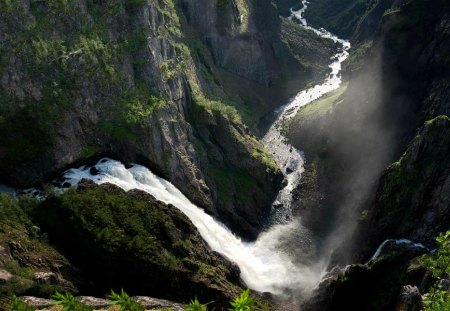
(69,303)
(124,301)
(439,262)
(195,305)
(243,303)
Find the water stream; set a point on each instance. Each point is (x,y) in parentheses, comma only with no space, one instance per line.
(266,265)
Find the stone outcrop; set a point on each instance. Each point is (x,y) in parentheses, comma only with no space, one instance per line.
(121,80)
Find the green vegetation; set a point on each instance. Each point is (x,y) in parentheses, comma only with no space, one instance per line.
(69,303)
(243,303)
(312,52)
(231,182)
(153,245)
(195,305)
(60,72)
(339,17)
(16,226)
(320,107)
(439,264)
(266,159)
(357,57)
(18,305)
(124,301)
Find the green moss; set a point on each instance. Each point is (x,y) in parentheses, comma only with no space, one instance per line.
(316,110)
(16,227)
(357,57)
(232,182)
(265,159)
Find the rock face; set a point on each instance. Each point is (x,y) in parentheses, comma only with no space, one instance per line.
(410,299)
(415,189)
(395,110)
(131,241)
(374,286)
(122,79)
(45,278)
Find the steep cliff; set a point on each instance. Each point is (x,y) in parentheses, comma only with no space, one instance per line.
(80,79)
(395,110)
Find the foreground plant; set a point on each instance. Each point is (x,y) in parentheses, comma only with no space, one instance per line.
(195,305)
(124,301)
(243,303)
(69,303)
(438,299)
(18,305)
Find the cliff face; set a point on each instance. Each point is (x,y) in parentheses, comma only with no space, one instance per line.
(396,103)
(80,79)
(418,95)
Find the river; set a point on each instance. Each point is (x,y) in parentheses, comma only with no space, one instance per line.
(266,265)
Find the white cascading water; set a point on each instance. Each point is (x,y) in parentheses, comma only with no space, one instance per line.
(263,268)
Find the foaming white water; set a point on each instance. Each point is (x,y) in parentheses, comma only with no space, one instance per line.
(263,267)
(291,160)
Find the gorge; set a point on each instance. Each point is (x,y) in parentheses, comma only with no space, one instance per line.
(183,149)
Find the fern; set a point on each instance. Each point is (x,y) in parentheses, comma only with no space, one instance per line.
(18,305)
(69,303)
(195,305)
(243,303)
(124,301)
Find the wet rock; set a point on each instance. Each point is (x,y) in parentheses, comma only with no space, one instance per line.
(38,303)
(93,171)
(96,303)
(410,299)
(5,276)
(277,204)
(154,303)
(47,278)
(5,255)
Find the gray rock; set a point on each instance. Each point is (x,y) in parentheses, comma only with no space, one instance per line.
(96,303)
(5,276)
(154,303)
(45,278)
(38,303)
(5,255)
(410,299)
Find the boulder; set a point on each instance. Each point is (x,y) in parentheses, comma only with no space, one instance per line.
(47,278)
(5,276)
(96,303)
(410,299)
(37,303)
(5,255)
(154,303)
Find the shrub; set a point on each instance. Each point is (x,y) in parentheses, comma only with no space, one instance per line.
(439,262)
(195,305)
(243,303)
(69,303)
(124,301)
(18,305)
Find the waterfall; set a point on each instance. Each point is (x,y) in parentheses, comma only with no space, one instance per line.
(263,267)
